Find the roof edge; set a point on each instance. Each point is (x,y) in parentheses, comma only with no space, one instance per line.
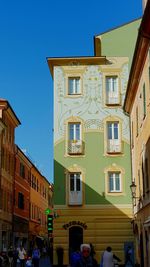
(117,27)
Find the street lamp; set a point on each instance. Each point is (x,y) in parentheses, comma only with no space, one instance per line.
(133,192)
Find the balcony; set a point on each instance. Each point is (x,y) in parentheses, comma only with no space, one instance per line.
(75,198)
(114,146)
(76,147)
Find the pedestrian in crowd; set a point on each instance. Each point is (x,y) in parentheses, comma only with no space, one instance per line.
(129,256)
(44,251)
(29,262)
(15,257)
(10,256)
(1,260)
(75,256)
(85,258)
(107,258)
(22,255)
(35,256)
(5,258)
(116,260)
(92,253)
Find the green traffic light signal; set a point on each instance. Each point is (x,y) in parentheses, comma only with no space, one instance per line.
(50,223)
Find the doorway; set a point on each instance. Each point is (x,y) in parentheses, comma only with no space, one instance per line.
(75,238)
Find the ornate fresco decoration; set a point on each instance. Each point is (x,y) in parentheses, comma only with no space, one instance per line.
(90,106)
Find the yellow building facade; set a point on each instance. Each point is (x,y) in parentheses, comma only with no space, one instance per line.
(39,202)
(137,104)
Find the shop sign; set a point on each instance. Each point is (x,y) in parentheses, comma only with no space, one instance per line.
(48,211)
(73,223)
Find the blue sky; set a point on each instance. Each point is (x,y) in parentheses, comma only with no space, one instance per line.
(30,31)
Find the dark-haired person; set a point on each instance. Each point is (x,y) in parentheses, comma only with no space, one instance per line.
(128,259)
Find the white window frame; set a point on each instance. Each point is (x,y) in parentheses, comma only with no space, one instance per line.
(114,190)
(112,96)
(75,196)
(75,131)
(113,144)
(75,174)
(75,91)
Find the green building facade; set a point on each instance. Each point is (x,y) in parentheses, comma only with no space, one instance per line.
(92,169)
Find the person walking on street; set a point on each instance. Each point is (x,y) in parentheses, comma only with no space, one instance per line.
(35,256)
(21,255)
(10,256)
(129,256)
(85,258)
(107,258)
(75,256)
(92,253)
(15,257)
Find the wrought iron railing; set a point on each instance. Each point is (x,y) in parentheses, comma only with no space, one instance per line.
(76,147)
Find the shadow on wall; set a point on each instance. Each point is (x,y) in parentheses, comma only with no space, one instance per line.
(106,225)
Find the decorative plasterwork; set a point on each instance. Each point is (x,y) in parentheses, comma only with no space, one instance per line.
(90,105)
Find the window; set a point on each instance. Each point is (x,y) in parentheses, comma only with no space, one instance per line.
(144,101)
(75,144)
(20,201)
(37,187)
(112,90)
(146,174)
(29,178)
(114,182)
(132,135)
(139,183)
(74,87)
(75,189)
(22,170)
(74,131)
(33,182)
(137,122)
(143,179)
(113,145)
(75,182)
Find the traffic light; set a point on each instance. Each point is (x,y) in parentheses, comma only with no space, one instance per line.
(50,223)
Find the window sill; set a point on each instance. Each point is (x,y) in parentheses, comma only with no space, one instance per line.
(73,95)
(75,204)
(113,105)
(114,153)
(74,155)
(115,194)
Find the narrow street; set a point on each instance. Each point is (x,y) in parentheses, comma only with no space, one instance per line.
(45,262)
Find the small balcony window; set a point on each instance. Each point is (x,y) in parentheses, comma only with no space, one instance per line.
(114,181)
(112,90)
(75,189)
(113,137)
(74,86)
(75,144)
